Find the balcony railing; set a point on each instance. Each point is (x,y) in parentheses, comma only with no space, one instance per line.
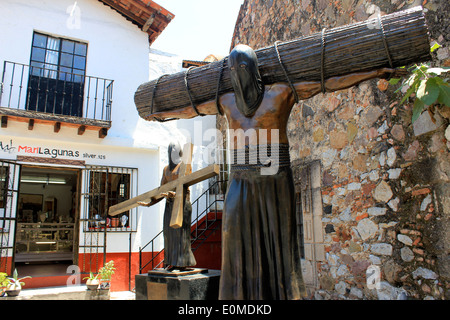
(52,92)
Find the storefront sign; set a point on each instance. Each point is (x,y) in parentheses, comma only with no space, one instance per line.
(30,150)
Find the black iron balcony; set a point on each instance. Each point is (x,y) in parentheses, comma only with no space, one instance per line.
(45,94)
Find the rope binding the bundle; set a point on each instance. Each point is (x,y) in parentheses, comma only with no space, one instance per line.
(285,72)
(154,92)
(383,35)
(322,62)
(153,101)
(189,92)
(218,87)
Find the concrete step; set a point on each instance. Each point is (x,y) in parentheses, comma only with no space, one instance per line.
(66,293)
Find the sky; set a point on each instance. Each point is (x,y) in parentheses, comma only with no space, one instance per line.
(200,28)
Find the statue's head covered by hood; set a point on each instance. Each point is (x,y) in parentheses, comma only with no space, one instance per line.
(175,154)
(245,79)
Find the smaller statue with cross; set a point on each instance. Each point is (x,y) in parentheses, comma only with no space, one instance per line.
(175,182)
(177,241)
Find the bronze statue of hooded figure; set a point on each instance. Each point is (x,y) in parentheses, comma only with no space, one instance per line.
(260,241)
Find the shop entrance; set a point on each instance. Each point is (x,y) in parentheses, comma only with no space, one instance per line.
(47,215)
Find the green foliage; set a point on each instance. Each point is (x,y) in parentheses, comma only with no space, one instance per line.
(16,280)
(91,276)
(107,270)
(428,86)
(4,281)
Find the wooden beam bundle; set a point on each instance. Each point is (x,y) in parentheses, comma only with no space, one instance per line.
(393,40)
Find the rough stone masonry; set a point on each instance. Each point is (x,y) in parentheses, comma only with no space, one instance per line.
(385,182)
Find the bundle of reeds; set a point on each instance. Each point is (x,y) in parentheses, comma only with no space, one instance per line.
(392,40)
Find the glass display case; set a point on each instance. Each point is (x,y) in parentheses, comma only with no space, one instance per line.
(44,242)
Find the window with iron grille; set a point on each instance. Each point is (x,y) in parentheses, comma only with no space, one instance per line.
(105,187)
(9,191)
(57,75)
(3,185)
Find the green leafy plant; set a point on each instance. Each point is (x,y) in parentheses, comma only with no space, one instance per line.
(91,276)
(15,278)
(107,270)
(4,281)
(92,281)
(427,85)
(14,282)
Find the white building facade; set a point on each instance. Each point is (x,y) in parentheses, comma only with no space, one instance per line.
(71,141)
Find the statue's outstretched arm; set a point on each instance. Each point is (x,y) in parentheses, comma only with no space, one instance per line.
(205,108)
(307,89)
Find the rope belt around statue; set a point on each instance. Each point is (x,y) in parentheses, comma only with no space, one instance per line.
(260,156)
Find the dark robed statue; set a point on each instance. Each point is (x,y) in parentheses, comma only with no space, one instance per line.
(177,241)
(260,242)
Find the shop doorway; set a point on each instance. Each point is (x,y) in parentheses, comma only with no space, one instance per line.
(47,217)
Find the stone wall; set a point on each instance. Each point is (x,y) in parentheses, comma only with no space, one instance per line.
(385,181)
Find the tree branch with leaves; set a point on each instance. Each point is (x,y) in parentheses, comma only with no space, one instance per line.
(428,85)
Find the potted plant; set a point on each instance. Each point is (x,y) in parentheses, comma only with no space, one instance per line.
(4,281)
(15,284)
(105,274)
(92,283)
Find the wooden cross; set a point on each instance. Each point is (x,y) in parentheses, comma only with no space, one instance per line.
(177,185)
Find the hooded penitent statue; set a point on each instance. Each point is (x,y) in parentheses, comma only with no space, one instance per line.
(260,239)
(177,241)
